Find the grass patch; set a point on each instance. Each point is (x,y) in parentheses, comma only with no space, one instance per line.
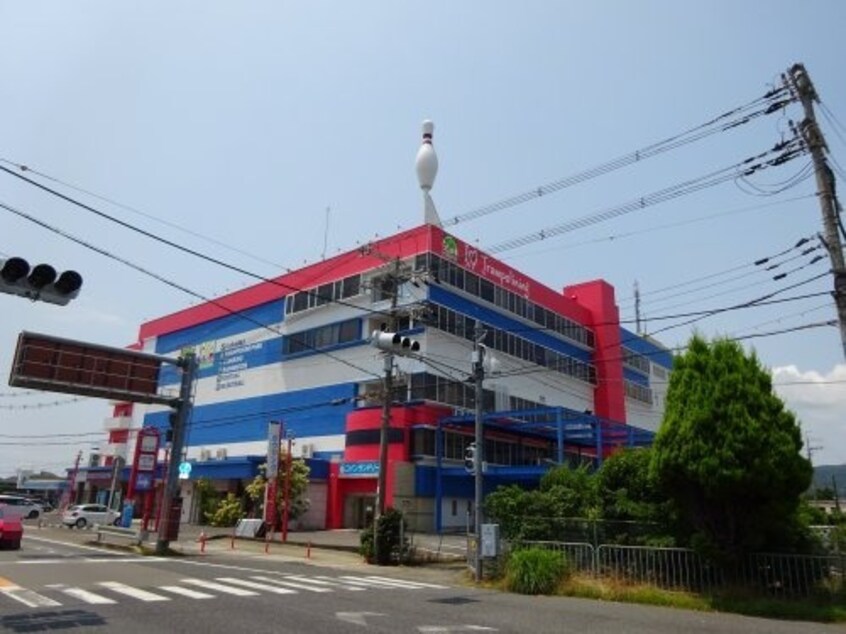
(817,609)
(535,571)
(823,610)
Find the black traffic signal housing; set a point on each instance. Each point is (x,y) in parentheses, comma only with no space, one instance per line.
(470,458)
(394,342)
(38,283)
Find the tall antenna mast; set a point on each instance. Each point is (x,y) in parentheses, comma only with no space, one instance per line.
(325,234)
(638,328)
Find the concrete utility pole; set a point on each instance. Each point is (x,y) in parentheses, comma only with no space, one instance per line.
(479,377)
(800,84)
(387,401)
(179,420)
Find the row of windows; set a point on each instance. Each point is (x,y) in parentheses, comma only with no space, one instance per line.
(463,326)
(322,337)
(452,274)
(635,360)
(498,451)
(323,294)
(431,387)
(639,392)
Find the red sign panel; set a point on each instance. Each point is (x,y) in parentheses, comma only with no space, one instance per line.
(142,476)
(44,362)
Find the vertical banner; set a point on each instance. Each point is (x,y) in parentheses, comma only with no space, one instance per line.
(274,440)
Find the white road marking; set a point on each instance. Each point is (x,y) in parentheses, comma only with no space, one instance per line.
(28,597)
(292,584)
(211,585)
(351,585)
(323,582)
(374,583)
(88,597)
(186,592)
(352,581)
(256,585)
(356,618)
(87,560)
(410,583)
(135,593)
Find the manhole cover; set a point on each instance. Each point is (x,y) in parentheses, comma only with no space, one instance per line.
(454,600)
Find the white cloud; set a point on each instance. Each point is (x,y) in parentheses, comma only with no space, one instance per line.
(819,401)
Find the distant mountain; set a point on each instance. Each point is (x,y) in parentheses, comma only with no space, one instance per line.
(823,478)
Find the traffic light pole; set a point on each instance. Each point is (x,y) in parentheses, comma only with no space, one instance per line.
(479,377)
(387,400)
(188,362)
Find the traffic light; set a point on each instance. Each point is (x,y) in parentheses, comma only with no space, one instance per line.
(40,282)
(470,458)
(394,342)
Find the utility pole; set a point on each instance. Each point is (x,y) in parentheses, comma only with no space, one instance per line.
(479,377)
(387,401)
(71,492)
(179,420)
(800,84)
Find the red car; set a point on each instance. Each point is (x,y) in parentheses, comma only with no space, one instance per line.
(11,530)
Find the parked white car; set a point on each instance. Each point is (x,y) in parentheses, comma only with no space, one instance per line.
(83,515)
(24,508)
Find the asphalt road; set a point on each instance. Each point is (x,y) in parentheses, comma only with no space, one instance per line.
(57,583)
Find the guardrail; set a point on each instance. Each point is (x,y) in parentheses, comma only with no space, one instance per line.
(772,574)
(128,534)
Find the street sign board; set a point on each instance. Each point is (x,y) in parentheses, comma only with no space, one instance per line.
(141,477)
(274,435)
(184,470)
(45,362)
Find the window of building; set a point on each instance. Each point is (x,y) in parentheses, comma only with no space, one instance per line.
(322,337)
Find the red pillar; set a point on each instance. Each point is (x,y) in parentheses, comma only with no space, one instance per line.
(609,395)
(334,501)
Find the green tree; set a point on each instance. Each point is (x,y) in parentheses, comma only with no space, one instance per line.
(728,453)
(299,503)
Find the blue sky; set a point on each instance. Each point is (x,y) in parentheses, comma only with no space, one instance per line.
(244,122)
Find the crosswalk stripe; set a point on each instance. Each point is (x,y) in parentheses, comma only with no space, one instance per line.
(256,585)
(135,593)
(370,583)
(350,585)
(87,596)
(186,592)
(292,584)
(352,581)
(323,581)
(211,585)
(415,584)
(29,598)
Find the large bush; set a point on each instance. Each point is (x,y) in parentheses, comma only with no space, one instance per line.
(391,549)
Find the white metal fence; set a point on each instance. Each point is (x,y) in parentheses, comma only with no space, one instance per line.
(780,575)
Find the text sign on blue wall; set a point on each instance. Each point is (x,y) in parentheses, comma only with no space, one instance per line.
(359,469)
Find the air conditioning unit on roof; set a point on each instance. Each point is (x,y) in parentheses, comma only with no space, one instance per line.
(220,454)
(205,455)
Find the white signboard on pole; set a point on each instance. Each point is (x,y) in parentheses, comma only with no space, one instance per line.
(274,438)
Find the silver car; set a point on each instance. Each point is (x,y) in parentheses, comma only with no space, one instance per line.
(20,506)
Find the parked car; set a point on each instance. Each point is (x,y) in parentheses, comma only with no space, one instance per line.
(20,506)
(83,515)
(11,530)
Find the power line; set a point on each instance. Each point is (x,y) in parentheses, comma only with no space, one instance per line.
(769,100)
(783,152)
(170,283)
(179,247)
(670,225)
(135,210)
